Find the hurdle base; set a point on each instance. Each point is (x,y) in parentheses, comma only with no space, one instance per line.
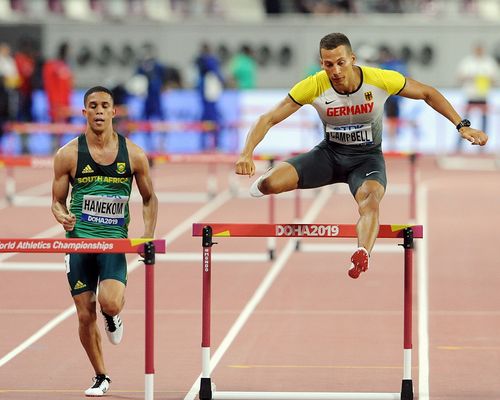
(407,389)
(304,396)
(205,389)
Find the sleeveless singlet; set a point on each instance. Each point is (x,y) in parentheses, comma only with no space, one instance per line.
(100,194)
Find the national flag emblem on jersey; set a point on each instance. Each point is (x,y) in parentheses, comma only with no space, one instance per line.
(368,96)
(121,167)
(87,170)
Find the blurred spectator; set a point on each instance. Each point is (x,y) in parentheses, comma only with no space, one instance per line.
(315,67)
(25,62)
(477,73)
(243,68)
(273,7)
(120,100)
(388,60)
(388,6)
(58,84)
(57,81)
(210,87)
(11,79)
(173,78)
(154,71)
(320,7)
(8,67)
(4,109)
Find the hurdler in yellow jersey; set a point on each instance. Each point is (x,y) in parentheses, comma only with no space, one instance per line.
(100,194)
(350,119)
(350,101)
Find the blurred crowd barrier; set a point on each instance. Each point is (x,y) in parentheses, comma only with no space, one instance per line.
(419,129)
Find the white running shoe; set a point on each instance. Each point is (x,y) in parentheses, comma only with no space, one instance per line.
(114,327)
(254,188)
(100,386)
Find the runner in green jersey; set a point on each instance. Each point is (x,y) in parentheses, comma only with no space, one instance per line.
(349,100)
(100,166)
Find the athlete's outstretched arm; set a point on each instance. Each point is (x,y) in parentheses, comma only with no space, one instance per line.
(145,186)
(285,108)
(419,91)
(60,190)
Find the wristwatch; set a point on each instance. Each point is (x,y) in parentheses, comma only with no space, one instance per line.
(461,124)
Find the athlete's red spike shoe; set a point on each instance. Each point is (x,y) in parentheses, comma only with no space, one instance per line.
(359,262)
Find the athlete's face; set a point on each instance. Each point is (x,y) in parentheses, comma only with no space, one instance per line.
(99,111)
(338,64)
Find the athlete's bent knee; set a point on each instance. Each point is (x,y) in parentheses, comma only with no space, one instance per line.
(112,307)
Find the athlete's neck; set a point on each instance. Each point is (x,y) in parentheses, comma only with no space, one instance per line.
(100,139)
(351,82)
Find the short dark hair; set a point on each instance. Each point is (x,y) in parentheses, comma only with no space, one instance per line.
(334,40)
(97,89)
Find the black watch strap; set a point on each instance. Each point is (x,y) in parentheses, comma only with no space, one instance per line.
(461,124)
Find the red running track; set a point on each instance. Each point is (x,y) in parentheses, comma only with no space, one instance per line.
(314,330)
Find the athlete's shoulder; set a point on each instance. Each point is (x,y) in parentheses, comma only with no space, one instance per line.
(309,88)
(67,156)
(390,81)
(136,154)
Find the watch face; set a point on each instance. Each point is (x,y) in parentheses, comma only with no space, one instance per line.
(464,122)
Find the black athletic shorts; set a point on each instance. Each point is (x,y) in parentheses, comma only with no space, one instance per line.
(85,270)
(324,165)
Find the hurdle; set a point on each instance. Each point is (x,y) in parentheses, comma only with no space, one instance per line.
(208,231)
(147,247)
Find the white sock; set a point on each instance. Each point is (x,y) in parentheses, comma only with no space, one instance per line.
(254,189)
(362,248)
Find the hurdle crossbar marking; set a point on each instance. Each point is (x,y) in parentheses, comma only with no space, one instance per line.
(80,245)
(301,230)
(208,231)
(146,246)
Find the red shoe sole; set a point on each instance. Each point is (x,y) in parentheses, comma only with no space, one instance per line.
(359,261)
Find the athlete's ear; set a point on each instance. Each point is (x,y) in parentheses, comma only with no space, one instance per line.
(353,57)
(84,112)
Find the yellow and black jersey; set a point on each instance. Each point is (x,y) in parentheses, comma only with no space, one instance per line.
(353,118)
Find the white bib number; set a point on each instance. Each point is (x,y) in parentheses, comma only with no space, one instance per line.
(350,134)
(104,210)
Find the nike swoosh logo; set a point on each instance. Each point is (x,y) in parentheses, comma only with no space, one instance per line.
(371,172)
(329,102)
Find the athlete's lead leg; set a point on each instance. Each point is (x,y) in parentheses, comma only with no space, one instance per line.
(368,197)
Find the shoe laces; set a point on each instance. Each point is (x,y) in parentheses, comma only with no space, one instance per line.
(110,322)
(99,379)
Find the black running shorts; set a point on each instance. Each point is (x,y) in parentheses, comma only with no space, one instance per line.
(324,165)
(85,270)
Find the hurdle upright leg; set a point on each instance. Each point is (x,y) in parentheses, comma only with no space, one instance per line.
(149,261)
(205,382)
(407,384)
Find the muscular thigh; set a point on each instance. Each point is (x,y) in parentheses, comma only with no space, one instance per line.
(112,266)
(367,167)
(314,168)
(82,272)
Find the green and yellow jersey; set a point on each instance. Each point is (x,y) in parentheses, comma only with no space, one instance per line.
(352,118)
(100,194)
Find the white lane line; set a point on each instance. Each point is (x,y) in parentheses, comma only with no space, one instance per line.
(423,294)
(170,237)
(32,266)
(38,190)
(258,295)
(37,335)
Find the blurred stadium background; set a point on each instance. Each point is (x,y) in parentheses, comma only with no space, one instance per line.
(108,39)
